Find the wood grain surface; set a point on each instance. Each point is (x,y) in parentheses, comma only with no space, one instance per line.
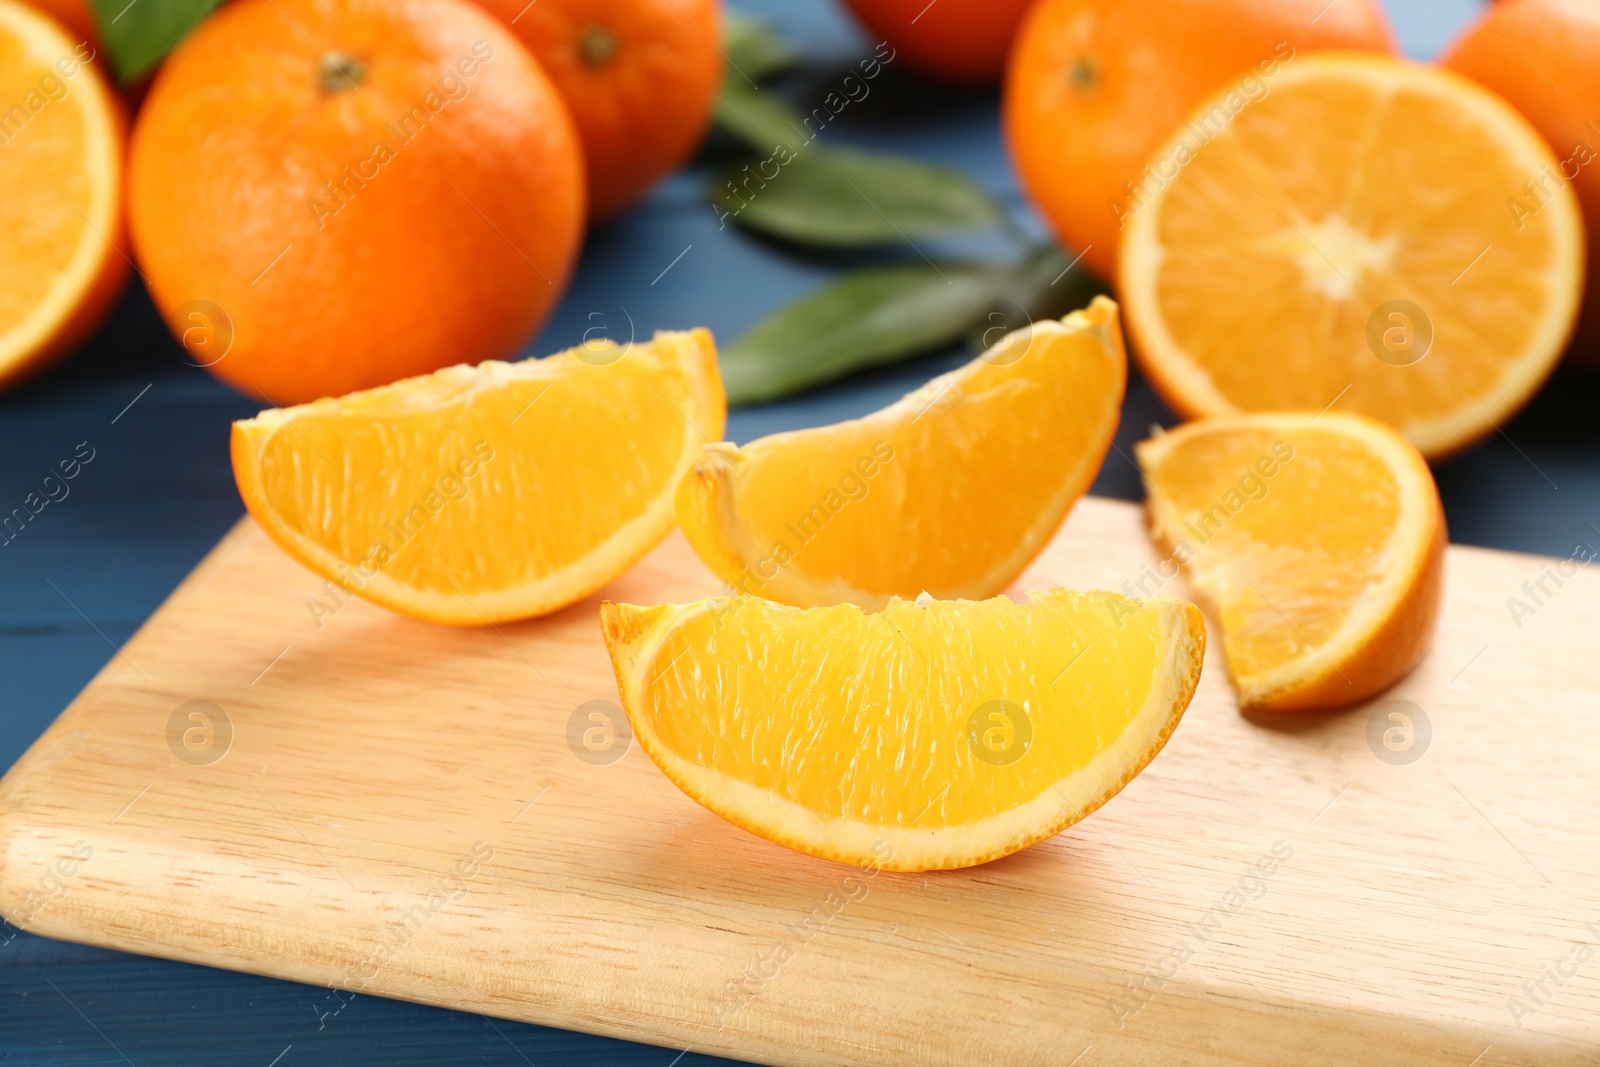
(386,807)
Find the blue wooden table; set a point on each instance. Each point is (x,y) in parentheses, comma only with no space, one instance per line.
(158,493)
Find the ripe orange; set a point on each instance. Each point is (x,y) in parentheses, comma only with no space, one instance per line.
(477,495)
(950,491)
(352,193)
(61,140)
(640,77)
(958,40)
(1318,541)
(926,736)
(1544,57)
(1095,87)
(1267,272)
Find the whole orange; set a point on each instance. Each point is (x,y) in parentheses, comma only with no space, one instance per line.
(328,195)
(1544,57)
(957,40)
(640,77)
(1095,87)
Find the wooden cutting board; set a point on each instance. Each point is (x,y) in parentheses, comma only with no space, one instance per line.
(441,815)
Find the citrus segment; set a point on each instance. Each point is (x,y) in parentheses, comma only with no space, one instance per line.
(1317,540)
(950,491)
(479,494)
(1350,237)
(61,135)
(930,735)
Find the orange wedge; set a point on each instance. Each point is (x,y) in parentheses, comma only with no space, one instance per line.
(930,735)
(1317,541)
(481,494)
(61,138)
(1370,232)
(950,491)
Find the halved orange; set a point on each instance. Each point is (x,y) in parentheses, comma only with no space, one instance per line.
(1317,540)
(930,735)
(480,494)
(950,491)
(1370,232)
(61,138)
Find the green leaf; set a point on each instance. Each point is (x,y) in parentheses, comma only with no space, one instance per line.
(138,34)
(843,197)
(759,119)
(752,50)
(864,318)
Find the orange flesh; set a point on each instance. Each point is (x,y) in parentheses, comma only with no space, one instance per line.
(1317,540)
(951,491)
(60,190)
(1372,242)
(867,716)
(493,492)
(1284,585)
(373,475)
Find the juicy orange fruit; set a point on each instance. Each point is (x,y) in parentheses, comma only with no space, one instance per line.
(950,491)
(60,192)
(328,197)
(1544,57)
(930,735)
(956,40)
(1094,88)
(1318,541)
(480,494)
(640,77)
(1283,268)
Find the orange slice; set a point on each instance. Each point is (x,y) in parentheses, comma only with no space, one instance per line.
(930,735)
(61,137)
(1318,541)
(950,491)
(480,494)
(1360,234)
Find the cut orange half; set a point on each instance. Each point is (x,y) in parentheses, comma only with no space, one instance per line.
(930,735)
(481,494)
(1317,541)
(950,491)
(1372,233)
(61,139)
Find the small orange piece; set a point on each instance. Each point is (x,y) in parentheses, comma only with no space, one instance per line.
(1317,541)
(1275,272)
(331,196)
(1544,57)
(1095,87)
(478,495)
(951,491)
(956,40)
(927,736)
(640,77)
(61,140)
